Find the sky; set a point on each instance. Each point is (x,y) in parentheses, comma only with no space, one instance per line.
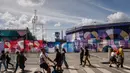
(57,15)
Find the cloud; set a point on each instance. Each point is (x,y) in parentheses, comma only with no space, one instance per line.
(49,16)
(23,19)
(112,18)
(118,17)
(7,16)
(0,14)
(102,7)
(58,24)
(12,22)
(30,3)
(9,21)
(87,21)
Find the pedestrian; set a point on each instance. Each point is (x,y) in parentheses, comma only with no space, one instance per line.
(64,58)
(17,61)
(58,60)
(121,54)
(44,64)
(81,55)
(112,58)
(8,59)
(22,60)
(87,56)
(3,60)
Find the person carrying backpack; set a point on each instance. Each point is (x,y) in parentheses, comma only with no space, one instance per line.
(8,59)
(22,60)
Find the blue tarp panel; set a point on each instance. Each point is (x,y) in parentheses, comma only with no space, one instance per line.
(70,47)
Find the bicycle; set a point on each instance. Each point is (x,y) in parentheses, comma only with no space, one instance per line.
(55,70)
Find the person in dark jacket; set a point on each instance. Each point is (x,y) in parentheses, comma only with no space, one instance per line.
(58,60)
(64,58)
(81,55)
(8,59)
(3,60)
(22,60)
(87,56)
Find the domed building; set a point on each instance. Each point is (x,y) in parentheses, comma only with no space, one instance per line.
(100,36)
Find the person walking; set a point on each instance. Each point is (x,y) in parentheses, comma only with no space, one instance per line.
(44,64)
(17,61)
(58,60)
(81,55)
(3,60)
(22,60)
(8,59)
(113,58)
(87,56)
(64,58)
(121,54)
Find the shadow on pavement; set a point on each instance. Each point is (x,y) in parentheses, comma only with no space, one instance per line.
(105,62)
(26,71)
(6,72)
(11,68)
(72,68)
(92,66)
(126,68)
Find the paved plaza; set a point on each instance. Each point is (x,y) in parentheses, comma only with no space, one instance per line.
(32,64)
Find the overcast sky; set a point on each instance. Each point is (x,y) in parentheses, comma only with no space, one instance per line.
(59,14)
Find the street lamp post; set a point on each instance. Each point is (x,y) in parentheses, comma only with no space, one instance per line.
(43,32)
(34,20)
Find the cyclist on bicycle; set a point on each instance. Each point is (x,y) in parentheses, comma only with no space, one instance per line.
(112,58)
(44,61)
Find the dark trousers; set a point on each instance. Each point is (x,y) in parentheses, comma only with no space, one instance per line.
(122,61)
(86,59)
(4,63)
(8,62)
(16,67)
(81,59)
(65,62)
(20,65)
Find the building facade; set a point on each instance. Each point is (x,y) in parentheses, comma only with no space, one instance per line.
(15,34)
(100,36)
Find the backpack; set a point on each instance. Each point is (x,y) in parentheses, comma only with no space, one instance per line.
(3,57)
(22,58)
(25,59)
(117,52)
(8,58)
